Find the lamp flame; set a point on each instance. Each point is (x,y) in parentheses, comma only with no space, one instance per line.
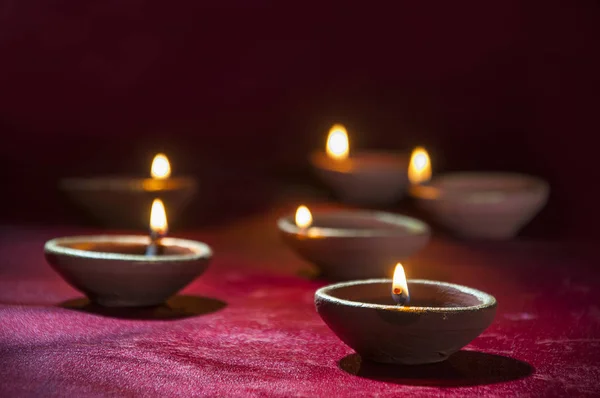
(161,169)
(419,169)
(158,218)
(399,286)
(338,146)
(303,217)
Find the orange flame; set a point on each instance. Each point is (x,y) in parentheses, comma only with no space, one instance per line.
(419,169)
(158,218)
(303,217)
(399,284)
(338,146)
(161,169)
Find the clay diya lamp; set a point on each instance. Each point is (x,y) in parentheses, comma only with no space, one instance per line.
(439,319)
(350,244)
(115,201)
(478,205)
(370,178)
(128,271)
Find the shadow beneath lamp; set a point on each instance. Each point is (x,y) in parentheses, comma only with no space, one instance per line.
(463,369)
(177,307)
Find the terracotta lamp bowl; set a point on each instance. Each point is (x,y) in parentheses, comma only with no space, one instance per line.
(440,319)
(370,178)
(483,205)
(125,202)
(355,244)
(113,271)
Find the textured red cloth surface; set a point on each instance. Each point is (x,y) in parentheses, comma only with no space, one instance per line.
(248,327)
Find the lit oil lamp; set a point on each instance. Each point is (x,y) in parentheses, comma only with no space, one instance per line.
(481,205)
(127,270)
(115,201)
(347,244)
(360,177)
(440,319)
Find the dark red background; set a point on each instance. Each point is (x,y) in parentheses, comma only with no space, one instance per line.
(237,93)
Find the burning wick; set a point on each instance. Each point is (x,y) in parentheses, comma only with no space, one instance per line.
(399,286)
(158,228)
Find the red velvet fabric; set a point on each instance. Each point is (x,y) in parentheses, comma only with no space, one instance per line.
(248,327)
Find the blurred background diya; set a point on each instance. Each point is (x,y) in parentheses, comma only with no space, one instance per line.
(349,244)
(115,201)
(474,204)
(360,177)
